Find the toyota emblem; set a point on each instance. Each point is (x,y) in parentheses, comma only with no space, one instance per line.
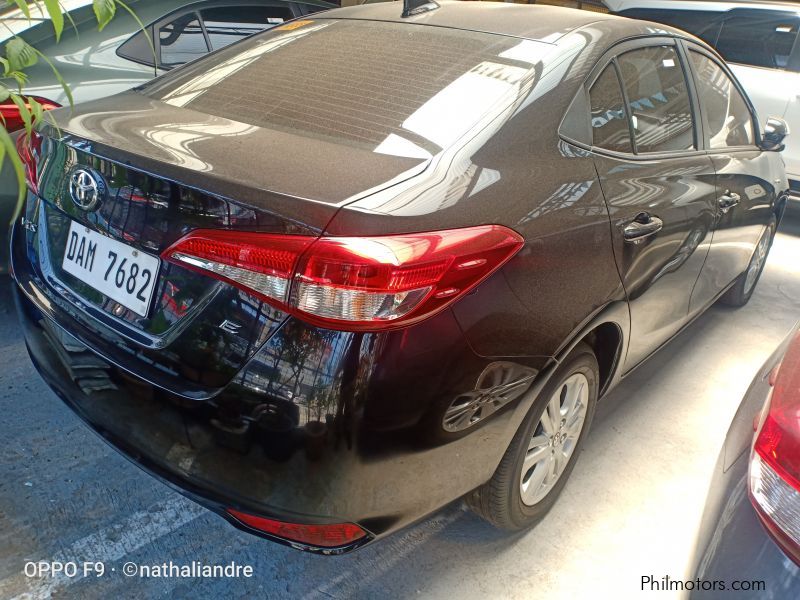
(86,188)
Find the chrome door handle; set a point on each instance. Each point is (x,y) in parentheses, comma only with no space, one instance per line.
(728,201)
(643,226)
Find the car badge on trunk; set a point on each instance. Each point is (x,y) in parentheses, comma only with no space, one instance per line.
(87,189)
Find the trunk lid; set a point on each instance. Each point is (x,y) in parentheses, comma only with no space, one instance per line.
(198,332)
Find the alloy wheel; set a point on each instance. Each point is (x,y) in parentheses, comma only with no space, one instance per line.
(554,439)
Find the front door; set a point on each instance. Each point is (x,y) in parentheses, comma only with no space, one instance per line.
(761,47)
(659,188)
(746,187)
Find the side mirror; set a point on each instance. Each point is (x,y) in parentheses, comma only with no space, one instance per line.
(775,132)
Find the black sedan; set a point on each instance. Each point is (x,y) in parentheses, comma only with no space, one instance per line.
(751,526)
(346,271)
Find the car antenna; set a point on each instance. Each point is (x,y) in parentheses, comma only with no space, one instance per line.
(415,7)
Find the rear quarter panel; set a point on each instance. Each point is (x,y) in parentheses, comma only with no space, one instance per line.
(517,172)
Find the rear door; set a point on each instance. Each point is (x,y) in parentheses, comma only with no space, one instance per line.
(746,189)
(658,185)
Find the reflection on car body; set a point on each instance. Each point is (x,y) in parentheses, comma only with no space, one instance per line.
(435,258)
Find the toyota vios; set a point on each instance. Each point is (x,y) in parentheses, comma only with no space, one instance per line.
(339,274)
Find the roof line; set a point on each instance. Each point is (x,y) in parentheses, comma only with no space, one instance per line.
(398,22)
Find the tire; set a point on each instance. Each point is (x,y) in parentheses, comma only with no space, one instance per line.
(504,500)
(746,283)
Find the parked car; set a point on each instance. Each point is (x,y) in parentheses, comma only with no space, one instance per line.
(101,63)
(751,526)
(757,39)
(349,270)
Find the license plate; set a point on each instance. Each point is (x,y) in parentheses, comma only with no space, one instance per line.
(122,273)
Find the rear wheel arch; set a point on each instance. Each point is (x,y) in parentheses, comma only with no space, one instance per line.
(503,500)
(605,340)
(607,336)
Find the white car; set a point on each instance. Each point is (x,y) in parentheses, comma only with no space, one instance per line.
(758,39)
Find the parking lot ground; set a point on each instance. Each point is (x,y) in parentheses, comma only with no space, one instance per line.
(630,509)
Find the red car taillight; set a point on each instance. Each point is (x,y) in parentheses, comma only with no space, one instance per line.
(321,536)
(29,148)
(11,115)
(775,460)
(352,283)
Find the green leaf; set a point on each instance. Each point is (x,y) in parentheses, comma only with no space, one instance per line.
(24,111)
(60,79)
(20,54)
(104,11)
(10,151)
(20,77)
(4,93)
(54,10)
(74,25)
(37,111)
(23,6)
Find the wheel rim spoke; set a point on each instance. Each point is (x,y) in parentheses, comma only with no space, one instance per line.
(458,415)
(538,441)
(575,425)
(552,471)
(531,487)
(534,458)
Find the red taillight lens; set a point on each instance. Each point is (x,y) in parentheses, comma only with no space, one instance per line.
(262,264)
(352,283)
(321,536)
(11,116)
(775,460)
(29,148)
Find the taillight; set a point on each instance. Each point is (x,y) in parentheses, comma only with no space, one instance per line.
(775,460)
(11,115)
(352,283)
(334,535)
(29,148)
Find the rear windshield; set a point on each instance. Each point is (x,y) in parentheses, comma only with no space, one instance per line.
(401,89)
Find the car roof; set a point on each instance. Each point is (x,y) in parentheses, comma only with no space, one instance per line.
(706,5)
(531,21)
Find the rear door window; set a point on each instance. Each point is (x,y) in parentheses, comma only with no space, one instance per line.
(229,24)
(728,118)
(658,99)
(609,122)
(759,40)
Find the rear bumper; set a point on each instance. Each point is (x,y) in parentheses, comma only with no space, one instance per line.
(356,438)
(149,451)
